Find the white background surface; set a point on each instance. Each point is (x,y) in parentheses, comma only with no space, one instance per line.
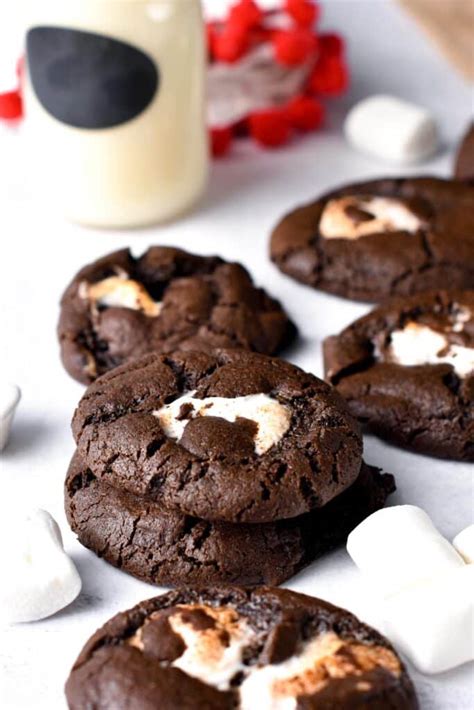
(248,193)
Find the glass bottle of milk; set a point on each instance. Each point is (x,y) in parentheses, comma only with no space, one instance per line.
(115,110)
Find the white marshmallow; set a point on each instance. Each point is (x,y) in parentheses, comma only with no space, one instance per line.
(10,396)
(427,588)
(272,418)
(398,547)
(418,344)
(464,544)
(433,622)
(38,577)
(392,129)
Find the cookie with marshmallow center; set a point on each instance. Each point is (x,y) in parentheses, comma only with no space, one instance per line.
(233,436)
(233,647)
(382,238)
(406,371)
(121,307)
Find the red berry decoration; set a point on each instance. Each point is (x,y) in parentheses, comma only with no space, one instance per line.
(305,113)
(270,128)
(303,12)
(331,44)
(11,105)
(294,47)
(245,13)
(290,30)
(241,128)
(211,34)
(221,141)
(231,44)
(330,76)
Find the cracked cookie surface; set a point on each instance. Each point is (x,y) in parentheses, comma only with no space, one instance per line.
(372,240)
(165,547)
(121,307)
(407,372)
(232,647)
(216,470)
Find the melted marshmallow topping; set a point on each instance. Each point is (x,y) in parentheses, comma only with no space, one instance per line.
(321,660)
(354,217)
(215,655)
(120,292)
(272,418)
(418,344)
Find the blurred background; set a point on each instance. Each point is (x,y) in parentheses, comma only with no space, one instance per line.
(388,43)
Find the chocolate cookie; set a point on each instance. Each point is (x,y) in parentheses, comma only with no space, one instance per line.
(464,166)
(381,238)
(120,307)
(407,372)
(162,546)
(227,648)
(233,436)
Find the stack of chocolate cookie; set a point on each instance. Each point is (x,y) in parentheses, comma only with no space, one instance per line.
(223,467)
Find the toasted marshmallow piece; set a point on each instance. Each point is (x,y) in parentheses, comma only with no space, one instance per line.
(10,396)
(214,656)
(120,292)
(418,344)
(38,577)
(278,685)
(269,683)
(354,216)
(273,687)
(464,544)
(272,418)
(433,622)
(398,547)
(392,130)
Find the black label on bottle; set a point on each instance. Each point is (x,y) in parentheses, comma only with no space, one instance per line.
(88,80)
